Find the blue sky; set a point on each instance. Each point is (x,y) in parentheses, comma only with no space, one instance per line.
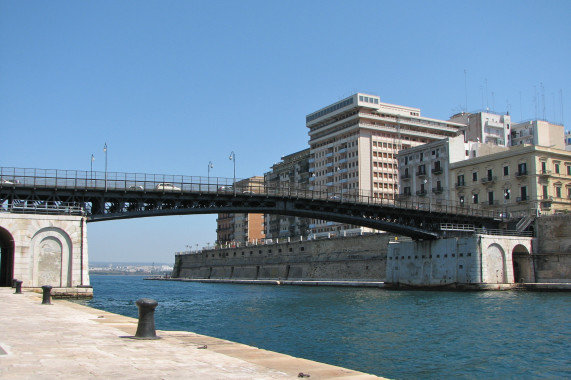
(170,86)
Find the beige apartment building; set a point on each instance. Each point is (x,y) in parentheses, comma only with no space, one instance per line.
(241,228)
(538,132)
(353,147)
(522,180)
(424,171)
(292,170)
(486,127)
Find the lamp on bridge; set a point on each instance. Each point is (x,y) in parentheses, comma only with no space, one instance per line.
(91,173)
(105,151)
(210,166)
(233,158)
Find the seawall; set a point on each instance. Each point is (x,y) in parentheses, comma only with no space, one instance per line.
(359,258)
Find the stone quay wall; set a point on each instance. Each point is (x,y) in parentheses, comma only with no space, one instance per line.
(552,251)
(359,258)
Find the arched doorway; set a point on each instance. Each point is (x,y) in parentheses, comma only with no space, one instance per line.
(496,273)
(6,257)
(522,267)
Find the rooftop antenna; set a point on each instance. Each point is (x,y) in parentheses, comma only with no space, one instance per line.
(520,107)
(487,102)
(466,90)
(561,99)
(535,100)
(542,100)
(493,102)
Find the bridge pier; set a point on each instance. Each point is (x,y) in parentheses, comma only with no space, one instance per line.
(45,250)
(473,261)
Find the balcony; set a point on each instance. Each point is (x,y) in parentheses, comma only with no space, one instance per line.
(489,179)
(492,203)
(438,190)
(522,199)
(521,173)
(545,173)
(405,176)
(461,184)
(437,171)
(421,173)
(421,193)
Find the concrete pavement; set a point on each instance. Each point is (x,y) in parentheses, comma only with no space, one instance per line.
(70,341)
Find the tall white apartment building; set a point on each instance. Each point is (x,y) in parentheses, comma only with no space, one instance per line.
(486,127)
(353,146)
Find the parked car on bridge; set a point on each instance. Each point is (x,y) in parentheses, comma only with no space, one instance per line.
(136,187)
(226,188)
(167,187)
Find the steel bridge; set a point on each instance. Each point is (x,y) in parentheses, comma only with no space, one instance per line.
(109,195)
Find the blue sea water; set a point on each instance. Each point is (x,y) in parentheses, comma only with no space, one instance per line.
(396,334)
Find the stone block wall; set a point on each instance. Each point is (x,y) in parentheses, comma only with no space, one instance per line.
(552,252)
(360,258)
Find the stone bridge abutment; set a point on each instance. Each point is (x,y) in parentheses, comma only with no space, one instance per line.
(45,250)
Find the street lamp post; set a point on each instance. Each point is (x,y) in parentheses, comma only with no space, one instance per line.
(105,151)
(91,172)
(233,158)
(210,166)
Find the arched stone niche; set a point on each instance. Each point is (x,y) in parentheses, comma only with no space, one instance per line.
(51,258)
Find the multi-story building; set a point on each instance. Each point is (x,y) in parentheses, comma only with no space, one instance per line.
(568,141)
(538,132)
(522,180)
(424,171)
(241,228)
(486,127)
(292,170)
(353,144)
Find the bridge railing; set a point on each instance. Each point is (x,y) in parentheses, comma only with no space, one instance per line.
(113,181)
(45,208)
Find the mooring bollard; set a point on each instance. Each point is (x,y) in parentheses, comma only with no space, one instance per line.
(146,326)
(18,287)
(47,299)
(14,282)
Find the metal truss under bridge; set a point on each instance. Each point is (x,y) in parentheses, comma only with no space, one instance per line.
(107,196)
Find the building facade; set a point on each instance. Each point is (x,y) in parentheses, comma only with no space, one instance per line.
(353,147)
(241,228)
(522,180)
(486,127)
(292,170)
(538,132)
(424,171)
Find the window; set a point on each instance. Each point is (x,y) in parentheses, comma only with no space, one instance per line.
(522,169)
(490,174)
(556,166)
(545,193)
(461,180)
(507,194)
(475,177)
(506,170)
(558,192)
(461,200)
(491,198)
(568,169)
(523,193)
(544,167)
(421,156)
(475,199)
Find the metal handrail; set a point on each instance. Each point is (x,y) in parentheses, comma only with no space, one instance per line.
(135,182)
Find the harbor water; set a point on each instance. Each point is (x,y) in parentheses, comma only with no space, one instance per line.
(396,334)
